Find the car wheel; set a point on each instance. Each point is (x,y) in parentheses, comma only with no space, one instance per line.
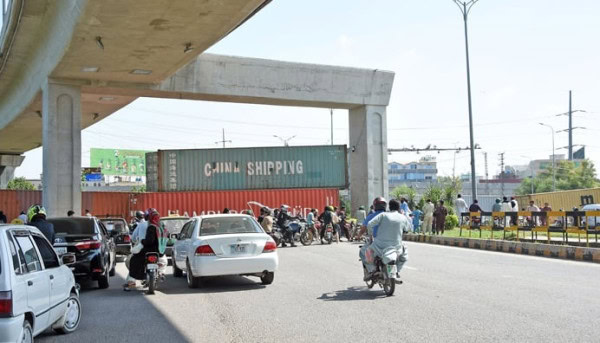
(27,334)
(72,317)
(176,271)
(267,278)
(103,281)
(192,281)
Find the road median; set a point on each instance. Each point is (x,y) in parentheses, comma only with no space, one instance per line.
(524,248)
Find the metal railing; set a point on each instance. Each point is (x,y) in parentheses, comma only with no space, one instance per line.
(553,224)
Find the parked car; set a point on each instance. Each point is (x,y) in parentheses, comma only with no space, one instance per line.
(173,224)
(89,240)
(118,229)
(37,290)
(230,244)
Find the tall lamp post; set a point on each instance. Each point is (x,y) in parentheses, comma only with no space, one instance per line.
(465,8)
(553,157)
(285,140)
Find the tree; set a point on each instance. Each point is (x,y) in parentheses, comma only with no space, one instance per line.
(568,176)
(138,189)
(20,183)
(406,192)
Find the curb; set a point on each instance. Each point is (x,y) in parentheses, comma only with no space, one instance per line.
(534,249)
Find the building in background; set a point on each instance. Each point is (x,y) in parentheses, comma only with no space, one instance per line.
(414,174)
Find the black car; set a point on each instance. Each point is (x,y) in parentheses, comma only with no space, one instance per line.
(118,229)
(90,241)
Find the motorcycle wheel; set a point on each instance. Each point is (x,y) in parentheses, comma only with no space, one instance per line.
(151,280)
(369,283)
(389,285)
(306,238)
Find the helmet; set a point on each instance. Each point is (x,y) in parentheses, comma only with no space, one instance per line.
(35,210)
(139,215)
(149,212)
(379,204)
(265,210)
(330,208)
(284,208)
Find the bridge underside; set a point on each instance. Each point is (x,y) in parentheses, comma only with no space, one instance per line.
(69,98)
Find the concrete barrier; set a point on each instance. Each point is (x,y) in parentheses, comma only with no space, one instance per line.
(523,248)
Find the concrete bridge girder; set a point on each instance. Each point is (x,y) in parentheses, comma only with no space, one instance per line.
(364,92)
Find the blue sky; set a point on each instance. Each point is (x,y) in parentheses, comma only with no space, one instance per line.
(525,57)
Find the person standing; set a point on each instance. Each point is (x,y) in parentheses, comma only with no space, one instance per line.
(532,208)
(416,218)
(461,206)
(361,215)
(546,208)
(428,210)
(267,220)
(497,207)
(506,207)
(36,216)
(440,214)
(87,213)
(404,208)
(23,217)
(475,208)
(3,219)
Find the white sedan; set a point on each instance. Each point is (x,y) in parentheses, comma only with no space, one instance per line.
(224,244)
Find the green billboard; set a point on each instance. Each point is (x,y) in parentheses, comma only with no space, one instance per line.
(119,162)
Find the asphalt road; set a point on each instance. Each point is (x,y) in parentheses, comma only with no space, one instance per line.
(449,295)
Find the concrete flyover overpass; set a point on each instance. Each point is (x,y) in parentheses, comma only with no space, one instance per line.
(65,65)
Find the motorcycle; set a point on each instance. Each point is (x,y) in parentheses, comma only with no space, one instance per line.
(154,271)
(385,274)
(276,235)
(288,234)
(297,227)
(347,227)
(310,234)
(328,234)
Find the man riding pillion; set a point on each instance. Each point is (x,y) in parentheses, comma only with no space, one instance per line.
(283,218)
(387,228)
(154,241)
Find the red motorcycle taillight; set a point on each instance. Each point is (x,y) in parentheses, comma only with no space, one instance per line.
(6,304)
(127,239)
(152,259)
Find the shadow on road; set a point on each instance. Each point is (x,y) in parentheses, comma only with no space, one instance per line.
(352,293)
(112,315)
(221,284)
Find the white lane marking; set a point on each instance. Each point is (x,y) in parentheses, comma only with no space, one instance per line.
(508,254)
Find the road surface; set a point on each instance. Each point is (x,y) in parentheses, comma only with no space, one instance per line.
(449,295)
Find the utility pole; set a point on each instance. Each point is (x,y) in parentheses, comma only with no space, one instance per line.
(223,140)
(553,157)
(465,7)
(502,172)
(570,128)
(487,185)
(331,111)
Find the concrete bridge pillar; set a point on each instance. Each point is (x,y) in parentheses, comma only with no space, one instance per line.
(368,154)
(61,116)
(8,164)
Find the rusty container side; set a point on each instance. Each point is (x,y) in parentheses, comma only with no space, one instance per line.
(106,204)
(13,202)
(211,202)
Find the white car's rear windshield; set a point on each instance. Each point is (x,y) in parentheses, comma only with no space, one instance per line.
(229,225)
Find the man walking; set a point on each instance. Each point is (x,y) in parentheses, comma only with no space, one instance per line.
(461,206)
(428,210)
(440,214)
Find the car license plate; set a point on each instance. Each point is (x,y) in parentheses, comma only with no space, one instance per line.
(152,266)
(61,250)
(392,270)
(238,249)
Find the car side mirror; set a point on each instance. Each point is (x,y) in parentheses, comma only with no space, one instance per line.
(68,259)
(174,236)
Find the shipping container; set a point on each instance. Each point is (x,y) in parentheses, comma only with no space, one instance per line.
(212,202)
(124,205)
(565,200)
(247,168)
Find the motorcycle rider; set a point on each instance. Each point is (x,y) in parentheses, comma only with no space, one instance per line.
(310,219)
(36,216)
(139,227)
(154,240)
(327,219)
(379,206)
(387,237)
(282,219)
(139,217)
(341,213)
(267,220)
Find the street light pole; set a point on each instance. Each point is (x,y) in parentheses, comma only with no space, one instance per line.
(465,7)
(553,158)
